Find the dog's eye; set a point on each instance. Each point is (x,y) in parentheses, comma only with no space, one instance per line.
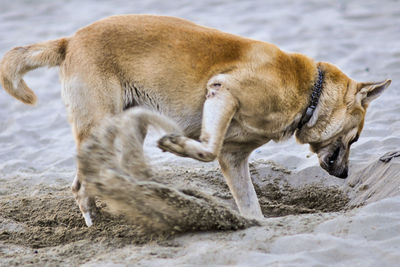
(354,140)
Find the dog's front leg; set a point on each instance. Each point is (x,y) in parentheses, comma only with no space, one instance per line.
(235,167)
(218,110)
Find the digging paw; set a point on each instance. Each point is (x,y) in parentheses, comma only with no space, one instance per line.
(204,156)
(185,147)
(173,143)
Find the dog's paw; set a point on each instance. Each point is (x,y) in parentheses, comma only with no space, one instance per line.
(90,216)
(185,147)
(173,143)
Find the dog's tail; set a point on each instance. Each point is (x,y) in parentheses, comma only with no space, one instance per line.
(20,60)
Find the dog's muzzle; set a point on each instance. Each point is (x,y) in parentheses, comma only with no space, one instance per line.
(335,163)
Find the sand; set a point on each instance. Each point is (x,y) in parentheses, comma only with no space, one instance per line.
(312,219)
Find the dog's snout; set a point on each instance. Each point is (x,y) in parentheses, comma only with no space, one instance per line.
(343,174)
(338,171)
(329,163)
(334,166)
(331,160)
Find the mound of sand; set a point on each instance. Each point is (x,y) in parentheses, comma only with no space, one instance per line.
(379,180)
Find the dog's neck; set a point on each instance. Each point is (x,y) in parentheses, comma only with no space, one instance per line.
(314,99)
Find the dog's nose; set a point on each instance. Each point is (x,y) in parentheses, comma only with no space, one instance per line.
(343,174)
(338,172)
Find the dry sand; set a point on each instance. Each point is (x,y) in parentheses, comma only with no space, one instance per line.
(312,219)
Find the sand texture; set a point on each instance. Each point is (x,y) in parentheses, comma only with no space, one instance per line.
(311,218)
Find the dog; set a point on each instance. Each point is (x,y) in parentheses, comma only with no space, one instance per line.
(229,94)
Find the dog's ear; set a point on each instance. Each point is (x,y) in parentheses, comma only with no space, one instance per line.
(371,90)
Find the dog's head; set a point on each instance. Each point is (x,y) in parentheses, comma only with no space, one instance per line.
(338,119)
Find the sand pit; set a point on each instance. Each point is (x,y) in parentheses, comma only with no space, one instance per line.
(48,228)
(52,218)
(311,218)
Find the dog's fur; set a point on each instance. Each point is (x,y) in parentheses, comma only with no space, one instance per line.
(232,94)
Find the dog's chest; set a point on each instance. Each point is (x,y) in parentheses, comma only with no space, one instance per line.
(273,126)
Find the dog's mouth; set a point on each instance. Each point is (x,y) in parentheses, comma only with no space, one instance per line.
(334,156)
(332,166)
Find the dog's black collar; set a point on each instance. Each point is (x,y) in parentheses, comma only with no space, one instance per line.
(316,93)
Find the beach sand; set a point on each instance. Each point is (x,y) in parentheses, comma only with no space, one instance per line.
(312,219)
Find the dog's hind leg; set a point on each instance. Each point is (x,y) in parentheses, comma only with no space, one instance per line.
(85,202)
(117,145)
(119,176)
(218,110)
(88,102)
(235,167)
(133,125)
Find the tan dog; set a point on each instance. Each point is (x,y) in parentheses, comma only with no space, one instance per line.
(229,94)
